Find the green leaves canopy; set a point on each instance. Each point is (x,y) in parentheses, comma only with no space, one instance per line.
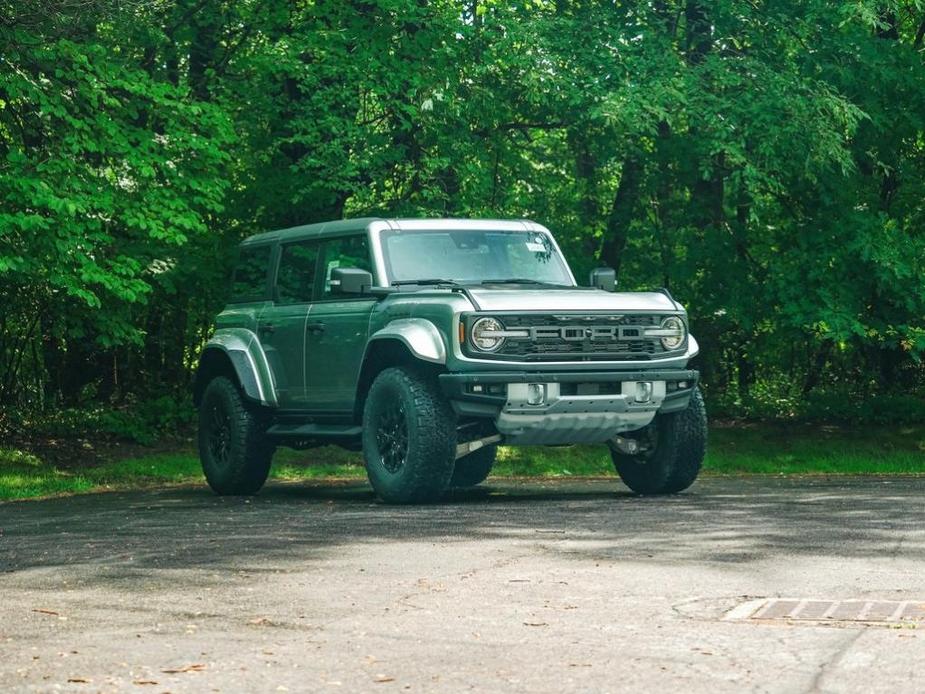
(764,160)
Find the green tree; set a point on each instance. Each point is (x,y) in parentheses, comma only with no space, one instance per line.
(763,160)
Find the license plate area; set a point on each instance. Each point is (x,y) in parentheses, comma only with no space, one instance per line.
(568,389)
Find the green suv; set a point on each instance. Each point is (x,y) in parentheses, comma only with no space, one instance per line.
(425,343)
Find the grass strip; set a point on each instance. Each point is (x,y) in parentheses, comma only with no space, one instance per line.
(733,450)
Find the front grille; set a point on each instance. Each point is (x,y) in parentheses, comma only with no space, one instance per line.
(576,337)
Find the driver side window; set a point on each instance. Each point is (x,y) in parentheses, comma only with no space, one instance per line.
(346,251)
(295,280)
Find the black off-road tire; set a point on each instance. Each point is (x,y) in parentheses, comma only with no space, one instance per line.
(233,446)
(679,444)
(409,437)
(474,468)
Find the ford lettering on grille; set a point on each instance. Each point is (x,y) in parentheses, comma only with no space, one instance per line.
(592,333)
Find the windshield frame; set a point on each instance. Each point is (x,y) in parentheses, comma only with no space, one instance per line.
(377,232)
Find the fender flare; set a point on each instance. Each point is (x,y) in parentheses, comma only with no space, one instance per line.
(420,336)
(242,349)
(693,347)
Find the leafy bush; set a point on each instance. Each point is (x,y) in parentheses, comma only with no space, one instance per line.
(836,405)
(149,419)
(896,408)
(142,421)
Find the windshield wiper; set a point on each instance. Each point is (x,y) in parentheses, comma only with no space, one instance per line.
(399,283)
(517,280)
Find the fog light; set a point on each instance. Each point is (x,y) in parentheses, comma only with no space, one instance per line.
(643,391)
(536,393)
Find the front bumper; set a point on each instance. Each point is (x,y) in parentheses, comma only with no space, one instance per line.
(573,407)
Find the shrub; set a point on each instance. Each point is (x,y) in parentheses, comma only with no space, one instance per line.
(140,421)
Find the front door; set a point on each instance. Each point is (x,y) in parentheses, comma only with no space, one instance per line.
(282,324)
(337,331)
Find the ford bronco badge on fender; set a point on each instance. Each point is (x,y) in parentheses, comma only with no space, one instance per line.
(426,343)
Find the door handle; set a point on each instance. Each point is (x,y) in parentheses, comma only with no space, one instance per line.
(267,328)
(315,327)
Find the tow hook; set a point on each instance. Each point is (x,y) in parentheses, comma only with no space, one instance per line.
(625,446)
(472,446)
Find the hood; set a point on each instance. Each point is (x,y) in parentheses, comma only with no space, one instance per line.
(508,299)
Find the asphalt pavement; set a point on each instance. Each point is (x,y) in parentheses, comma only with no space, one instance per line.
(520,586)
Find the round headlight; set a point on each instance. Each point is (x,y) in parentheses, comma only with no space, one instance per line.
(676,325)
(481,334)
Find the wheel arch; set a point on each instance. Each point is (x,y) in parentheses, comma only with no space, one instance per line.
(420,336)
(385,351)
(239,357)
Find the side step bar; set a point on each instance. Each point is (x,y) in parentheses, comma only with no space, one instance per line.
(351,431)
(315,431)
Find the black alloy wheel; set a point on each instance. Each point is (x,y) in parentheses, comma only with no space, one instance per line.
(392,437)
(218,433)
(409,436)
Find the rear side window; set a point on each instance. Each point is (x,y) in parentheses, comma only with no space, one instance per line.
(295,279)
(250,274)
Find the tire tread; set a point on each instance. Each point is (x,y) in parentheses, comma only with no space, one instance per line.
(474,468)
(252,453)
(427,476)
(679,453)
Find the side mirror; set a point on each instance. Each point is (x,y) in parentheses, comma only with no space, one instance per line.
(604,278)
(350,280)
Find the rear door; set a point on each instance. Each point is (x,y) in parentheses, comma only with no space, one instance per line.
(337,330)
(282,324)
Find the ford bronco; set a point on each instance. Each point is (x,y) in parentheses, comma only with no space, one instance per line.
(426,343)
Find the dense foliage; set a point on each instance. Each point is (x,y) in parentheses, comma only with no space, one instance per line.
(765,160)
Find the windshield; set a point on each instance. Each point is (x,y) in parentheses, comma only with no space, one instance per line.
(473,256)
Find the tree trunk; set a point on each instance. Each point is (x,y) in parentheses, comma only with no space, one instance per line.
(698,38)
(621,213)
(206,24)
